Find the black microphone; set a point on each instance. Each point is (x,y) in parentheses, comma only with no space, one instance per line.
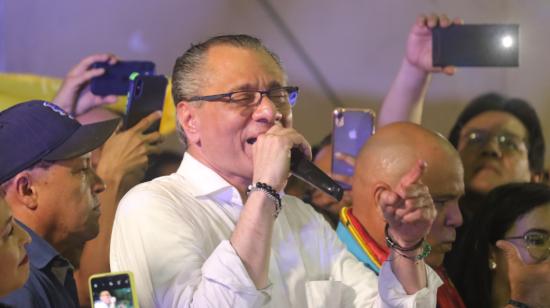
(306,171)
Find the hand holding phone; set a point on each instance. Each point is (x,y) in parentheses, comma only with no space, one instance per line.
(108,289)
(116,79)
(476,45)
(351,129)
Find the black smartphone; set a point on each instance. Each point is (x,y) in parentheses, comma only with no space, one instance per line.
(351,128)
(145,96)
(113,290)
(476,45)
(115,80)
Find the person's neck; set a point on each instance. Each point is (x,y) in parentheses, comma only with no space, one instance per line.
(70,250)
(371,222)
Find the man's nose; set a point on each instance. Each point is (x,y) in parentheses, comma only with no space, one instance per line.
(267,111)
(97,183)
(454,215)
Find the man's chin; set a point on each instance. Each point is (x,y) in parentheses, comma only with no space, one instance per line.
(484,184)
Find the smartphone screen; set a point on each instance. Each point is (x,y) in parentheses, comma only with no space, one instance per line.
(476,45)
(111,290)
(116,79)
(351,128)
(145,96)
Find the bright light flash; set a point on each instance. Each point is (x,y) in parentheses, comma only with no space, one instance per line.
(507,41)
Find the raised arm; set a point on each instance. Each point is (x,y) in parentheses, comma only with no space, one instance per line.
(409,212)
(405,100)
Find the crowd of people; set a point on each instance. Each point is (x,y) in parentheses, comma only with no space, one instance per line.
(429,221)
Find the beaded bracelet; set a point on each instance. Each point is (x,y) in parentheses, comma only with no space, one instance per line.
(391,243)
(270,193)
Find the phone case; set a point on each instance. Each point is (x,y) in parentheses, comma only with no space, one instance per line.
(145,96)
(351,128)
(489,45)
(120,286)
(115,80)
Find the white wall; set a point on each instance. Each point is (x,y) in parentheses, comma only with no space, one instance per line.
(357,45)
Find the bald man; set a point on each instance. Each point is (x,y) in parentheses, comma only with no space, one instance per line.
(385,164)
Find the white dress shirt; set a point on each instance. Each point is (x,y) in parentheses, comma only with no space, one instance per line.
(173,232)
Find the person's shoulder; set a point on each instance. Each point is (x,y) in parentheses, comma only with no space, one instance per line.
(164,191)
(166,195)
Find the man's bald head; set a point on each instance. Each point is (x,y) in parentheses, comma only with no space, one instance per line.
(395,148)
(389,155)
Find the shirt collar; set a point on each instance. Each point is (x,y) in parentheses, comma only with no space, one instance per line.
(206,182)
(40,252)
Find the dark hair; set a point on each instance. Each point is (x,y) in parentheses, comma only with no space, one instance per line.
(504,205)
(514,106)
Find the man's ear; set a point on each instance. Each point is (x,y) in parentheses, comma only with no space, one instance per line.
(24,190)
(186,115)
(377,191)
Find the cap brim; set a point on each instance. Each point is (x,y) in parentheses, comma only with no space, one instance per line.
(85,139)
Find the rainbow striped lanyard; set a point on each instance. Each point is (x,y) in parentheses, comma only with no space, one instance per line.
(359,242)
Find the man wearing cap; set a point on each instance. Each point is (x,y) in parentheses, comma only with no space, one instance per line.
(51,187)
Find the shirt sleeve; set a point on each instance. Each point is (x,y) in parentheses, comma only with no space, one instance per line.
(393,294)
(175,262)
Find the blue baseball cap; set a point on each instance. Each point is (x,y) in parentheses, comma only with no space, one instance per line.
(36,131)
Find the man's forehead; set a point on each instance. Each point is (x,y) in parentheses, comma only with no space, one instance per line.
(234,65)
(77,161)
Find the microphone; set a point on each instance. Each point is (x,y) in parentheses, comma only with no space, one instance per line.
(306,171)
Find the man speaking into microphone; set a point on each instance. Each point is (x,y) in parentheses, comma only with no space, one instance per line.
(219,232)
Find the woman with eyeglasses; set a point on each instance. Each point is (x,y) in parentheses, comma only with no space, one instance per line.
(14,263)
(504,259)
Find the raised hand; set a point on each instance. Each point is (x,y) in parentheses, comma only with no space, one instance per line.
(419,42)
(271,155)
(126,152)
(74,95)
(529,283)
(408,208)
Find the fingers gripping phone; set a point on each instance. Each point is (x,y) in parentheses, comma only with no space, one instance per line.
(351,128)
(476,45)
(145,96)
(110,290)
(116,79)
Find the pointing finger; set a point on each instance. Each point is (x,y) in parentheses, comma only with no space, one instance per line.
(413,176)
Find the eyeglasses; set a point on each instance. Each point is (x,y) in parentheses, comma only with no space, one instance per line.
(537,243)
(507,142)
(280,96)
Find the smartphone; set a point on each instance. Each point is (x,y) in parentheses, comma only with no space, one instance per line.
(485,45)
(115,80)
(351,128)
(113,290)
(145,96)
